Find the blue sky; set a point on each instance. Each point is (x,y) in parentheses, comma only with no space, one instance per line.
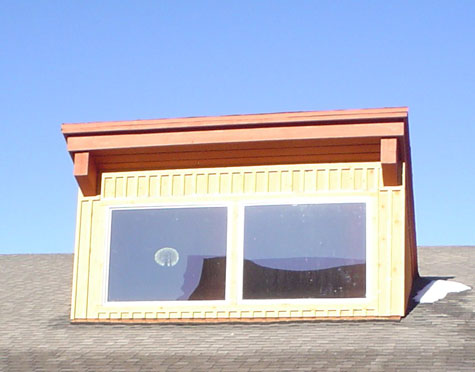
(78,61)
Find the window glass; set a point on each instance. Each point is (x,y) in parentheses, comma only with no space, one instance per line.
(168,254)
(305,251)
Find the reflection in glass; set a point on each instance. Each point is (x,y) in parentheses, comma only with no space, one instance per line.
(305,251)
(168,254)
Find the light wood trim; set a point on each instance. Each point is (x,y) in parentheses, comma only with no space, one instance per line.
(241,320)
(396,113)
(86,173)
(390,162)
(105,142)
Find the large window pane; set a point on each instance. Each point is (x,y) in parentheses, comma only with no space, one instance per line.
(305,251)
(168,254)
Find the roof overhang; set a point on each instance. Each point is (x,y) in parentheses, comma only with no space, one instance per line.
(234,140)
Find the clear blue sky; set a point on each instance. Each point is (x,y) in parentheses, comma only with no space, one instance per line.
(78,61)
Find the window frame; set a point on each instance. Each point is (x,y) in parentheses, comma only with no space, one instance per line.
(176,303)
(235,259)
(369,210)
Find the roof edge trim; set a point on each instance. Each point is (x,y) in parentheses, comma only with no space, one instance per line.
(233,121)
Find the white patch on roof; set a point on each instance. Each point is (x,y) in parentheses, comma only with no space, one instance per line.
(437,290)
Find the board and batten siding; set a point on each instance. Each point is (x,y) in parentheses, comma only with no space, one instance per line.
(387,281)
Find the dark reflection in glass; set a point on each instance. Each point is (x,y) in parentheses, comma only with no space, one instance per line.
(168,254)
(305,251)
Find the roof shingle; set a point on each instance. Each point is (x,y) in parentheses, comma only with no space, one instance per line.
(35,332)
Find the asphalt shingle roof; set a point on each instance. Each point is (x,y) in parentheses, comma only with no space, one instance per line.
(35,332)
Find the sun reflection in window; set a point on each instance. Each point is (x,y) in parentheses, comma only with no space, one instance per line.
(167,257)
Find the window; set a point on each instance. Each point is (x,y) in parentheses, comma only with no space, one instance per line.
(168,254)
(288,251)
(304,251)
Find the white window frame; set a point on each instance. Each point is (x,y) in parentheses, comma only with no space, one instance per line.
(189,303)
(369,210)
(238,206)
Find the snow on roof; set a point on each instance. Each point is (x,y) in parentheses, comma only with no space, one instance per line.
(438,289)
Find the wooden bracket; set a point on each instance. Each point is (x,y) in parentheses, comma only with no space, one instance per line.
(85,173)
(390,162)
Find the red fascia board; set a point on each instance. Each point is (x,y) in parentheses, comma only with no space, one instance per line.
(123,141)
(234,121)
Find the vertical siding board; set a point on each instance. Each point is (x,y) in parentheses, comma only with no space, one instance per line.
(358,179)
(384,249)
(397,253)
(108,187)
(366,180)
(142,186)
(188,186)
(261,182)
(177,185)
(286,181)
(249,182)
(334,180)
(119,187)
(89,252)
(131,187)
(274,181)
(296,181)
(76,258)
(352,179)
(96,260)
(371,179)
(201,183)
(147,186)
(346,179)
(322,180)
(389,250)
(154,186)
(376,285)
(225,183)
(237,183)
(310,180)
(165,189)
(213,183)
(82,261)
(83,272)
